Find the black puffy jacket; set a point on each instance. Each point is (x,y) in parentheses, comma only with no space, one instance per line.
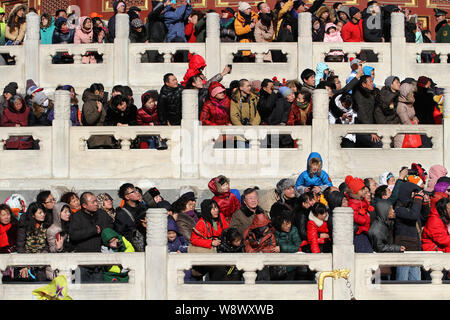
(266,105)
(381,230)
(169,105)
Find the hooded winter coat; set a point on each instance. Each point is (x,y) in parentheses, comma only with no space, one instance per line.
(180,243)
(332,37)
(215,112)
(386,107)
(259,236)
(352,32)
(381,231)
(61,227)
(434,174)
(309,179)
(18,34)
(361,214)
(405,110)
(320,71)
(59,36)
(11,117)
(175,19)
(314,228)
(435,236)
(364,104)
(288,241)
(244,109)
(409,217)
(227,201)
(83,35)
(112,22)
(242,27)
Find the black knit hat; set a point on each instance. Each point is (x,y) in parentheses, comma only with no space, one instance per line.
(154,192)
(11,88)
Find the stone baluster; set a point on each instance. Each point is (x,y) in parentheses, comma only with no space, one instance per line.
(156,255)
(443,57)
(190,150)
(121,44)
(259,57)
(343,250)
(304,43)
(212,42)
(31,44)
(77,58)
(320,126)
(167,56)
(398,45)
(61,135)
(446,124)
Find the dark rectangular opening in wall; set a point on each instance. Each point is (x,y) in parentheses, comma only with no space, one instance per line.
(7,60)
(21,143)
(100,274)
(103,142)
(274,141)
(214,275)
(286,274)
(27,274)
(152,56)
(149,142)
(231,142)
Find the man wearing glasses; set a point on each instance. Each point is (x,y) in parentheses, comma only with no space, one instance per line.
(129,215)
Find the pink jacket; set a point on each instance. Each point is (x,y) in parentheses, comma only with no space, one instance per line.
(82,35)
(334,37)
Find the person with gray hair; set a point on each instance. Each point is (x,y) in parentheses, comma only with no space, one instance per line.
(287,201)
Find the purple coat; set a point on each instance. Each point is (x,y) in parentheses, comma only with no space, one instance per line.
(180,242)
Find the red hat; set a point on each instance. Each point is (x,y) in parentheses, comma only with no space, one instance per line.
(422,81)
(354,184)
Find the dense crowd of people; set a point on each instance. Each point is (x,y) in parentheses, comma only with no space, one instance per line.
(408,212)
(244,102)
(177,21)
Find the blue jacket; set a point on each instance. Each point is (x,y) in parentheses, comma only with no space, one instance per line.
(175,20)
(368,72)
(308,179)
(180,242)
(47,33)
(320,69)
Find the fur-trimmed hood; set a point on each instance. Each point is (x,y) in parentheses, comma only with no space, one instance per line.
(316,220)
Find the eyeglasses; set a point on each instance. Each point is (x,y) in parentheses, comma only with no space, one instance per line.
(134,190)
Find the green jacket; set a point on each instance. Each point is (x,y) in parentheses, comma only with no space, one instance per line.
(2,33)
(288,241)
(116,273)
(200,30)
(443,35)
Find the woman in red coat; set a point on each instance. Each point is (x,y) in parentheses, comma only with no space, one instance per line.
(216,110)
(148,115)
(317,229)
(17,115)
(227,201)
(435,236)
(361,213)
(209,227)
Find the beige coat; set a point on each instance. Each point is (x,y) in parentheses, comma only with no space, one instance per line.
(240,110)
(264,34)
(405,110)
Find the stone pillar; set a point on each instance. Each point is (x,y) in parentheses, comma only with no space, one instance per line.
(156,255)
(343,251)
(121,43)
(446,125)
(61,135)
(31,44)
(304,43)
(319,134)
(212,48)
(190,151)
(398,45)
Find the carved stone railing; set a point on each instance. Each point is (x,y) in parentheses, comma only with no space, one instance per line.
(122,63)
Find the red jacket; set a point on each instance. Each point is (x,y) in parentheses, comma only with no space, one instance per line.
(203,233)
(254,244)
(435,236)
(146,116)
(295,115)
(361,217)
(189,31)
(11,117)
(215,112)
(351,32)
(227,201)
(313,231)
